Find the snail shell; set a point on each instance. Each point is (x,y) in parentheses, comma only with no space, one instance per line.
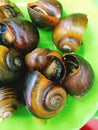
(55,69)
(48,62)
(36,60)
(9,10)
(8,101)
(45,13)
(43,98)
(15,60)
(79,75)
(68,33)
(20,34)
(11,66)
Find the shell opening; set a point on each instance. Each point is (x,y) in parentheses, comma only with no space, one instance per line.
(39,10)
(71,63)
(55,70)
(6,36)
(9,11)
(3,29)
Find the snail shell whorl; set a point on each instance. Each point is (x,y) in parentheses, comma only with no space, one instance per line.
(8,101)
(14,60)
(43,98)
(69,32)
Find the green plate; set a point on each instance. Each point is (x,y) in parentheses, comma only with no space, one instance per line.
(77,111)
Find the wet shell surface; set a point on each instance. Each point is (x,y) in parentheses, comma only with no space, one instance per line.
(43,98)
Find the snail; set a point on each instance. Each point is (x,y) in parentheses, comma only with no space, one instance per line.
(12,65)
(68,33)
(43,98)
(79,75)
(9,10)
(9,102)
(48,62)
(45,13)
(18,33)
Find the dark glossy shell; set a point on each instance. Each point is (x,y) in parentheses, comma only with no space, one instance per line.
(37,59)
(8,101)
(48,62)
(45,13)
(43,98)
(21,34)
(68,34)
(80,75)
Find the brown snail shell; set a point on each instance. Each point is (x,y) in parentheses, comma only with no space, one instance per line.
(43,98)
(9,10)
(36,59)
(45,13)
(68,33)
(20,34)
(80,76)
(48,62)
(8,101)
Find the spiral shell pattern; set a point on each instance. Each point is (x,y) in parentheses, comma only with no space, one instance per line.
(68,33)
(8,101)
(43,97)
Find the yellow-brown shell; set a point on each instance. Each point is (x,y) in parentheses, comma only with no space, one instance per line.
(8,101)
(43,98)
(68,34)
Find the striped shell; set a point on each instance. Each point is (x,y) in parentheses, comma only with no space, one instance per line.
(43,97)
(8,101)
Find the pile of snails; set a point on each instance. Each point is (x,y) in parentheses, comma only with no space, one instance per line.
(48,75)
